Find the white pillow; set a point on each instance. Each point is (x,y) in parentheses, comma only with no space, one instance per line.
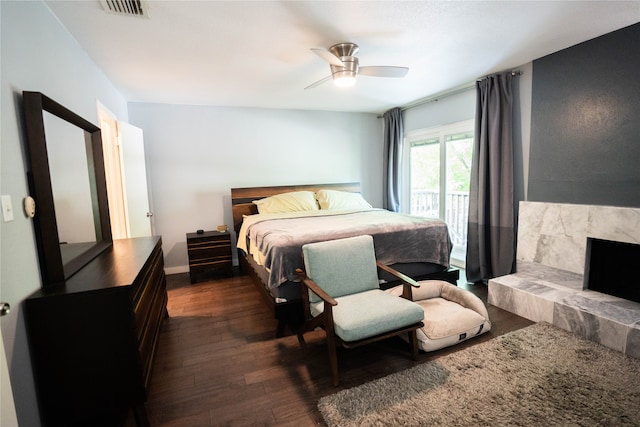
(294,201)
(335,200)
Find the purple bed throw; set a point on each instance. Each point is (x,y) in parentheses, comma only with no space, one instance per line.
(397,238)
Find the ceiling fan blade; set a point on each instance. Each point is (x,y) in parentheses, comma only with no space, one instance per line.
(327,56)
(381,71)
(318,83)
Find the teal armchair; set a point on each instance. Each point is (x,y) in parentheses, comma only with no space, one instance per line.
(344,298)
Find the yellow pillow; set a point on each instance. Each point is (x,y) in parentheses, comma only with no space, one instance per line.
(335,200)
(294,201)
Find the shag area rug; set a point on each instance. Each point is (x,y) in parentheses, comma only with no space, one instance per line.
(537,376)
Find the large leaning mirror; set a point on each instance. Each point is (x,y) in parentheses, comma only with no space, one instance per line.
(67,181)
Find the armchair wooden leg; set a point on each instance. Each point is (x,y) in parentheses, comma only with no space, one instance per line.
(301,340)
(333,356)
(413,343)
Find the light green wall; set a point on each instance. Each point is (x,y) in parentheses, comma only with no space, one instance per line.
(196,154)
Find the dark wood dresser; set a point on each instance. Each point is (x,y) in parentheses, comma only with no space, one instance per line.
(93,338)
(209,250)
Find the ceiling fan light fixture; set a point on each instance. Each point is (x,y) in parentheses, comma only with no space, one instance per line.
(344,78)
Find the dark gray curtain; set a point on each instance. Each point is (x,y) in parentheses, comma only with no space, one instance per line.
(491,233)
(393,135)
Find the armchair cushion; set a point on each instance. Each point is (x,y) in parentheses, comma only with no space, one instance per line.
(363,315)
(325,263)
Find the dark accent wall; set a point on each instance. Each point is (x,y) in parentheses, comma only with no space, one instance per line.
(585,123)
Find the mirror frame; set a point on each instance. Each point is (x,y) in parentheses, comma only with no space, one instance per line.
(52,269)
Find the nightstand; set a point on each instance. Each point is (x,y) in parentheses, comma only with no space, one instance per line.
(208,251)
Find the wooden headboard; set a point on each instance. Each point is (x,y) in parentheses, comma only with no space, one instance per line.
(242,198)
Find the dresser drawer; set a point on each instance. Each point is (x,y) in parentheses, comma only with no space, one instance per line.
(149,339)
(149,283)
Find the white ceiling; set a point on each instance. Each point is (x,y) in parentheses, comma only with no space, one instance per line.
(257,53)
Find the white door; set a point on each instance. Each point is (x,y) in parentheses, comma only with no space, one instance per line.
(113,174)
(8,416)
(134,181)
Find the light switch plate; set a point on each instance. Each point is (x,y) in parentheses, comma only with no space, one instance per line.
(7,208)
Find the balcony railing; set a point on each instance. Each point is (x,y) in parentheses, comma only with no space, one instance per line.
(427,203)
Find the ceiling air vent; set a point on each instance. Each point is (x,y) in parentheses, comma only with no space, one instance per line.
(126,7)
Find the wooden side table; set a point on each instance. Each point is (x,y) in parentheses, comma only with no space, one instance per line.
(208,251)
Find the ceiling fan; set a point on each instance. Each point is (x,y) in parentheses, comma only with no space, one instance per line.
(345,66)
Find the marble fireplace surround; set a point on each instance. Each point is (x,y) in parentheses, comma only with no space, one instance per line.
(548,283)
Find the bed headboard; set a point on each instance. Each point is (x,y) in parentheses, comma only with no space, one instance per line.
(242,198)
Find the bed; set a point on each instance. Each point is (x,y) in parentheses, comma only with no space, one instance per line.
(272,224)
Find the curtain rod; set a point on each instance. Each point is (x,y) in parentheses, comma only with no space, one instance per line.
(448,93)
(442,95)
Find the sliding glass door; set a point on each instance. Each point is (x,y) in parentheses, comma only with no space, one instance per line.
(439,162)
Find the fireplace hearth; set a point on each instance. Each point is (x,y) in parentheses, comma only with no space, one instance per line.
(554,242)
(611,267)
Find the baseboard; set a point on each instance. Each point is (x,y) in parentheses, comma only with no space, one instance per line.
(176,270)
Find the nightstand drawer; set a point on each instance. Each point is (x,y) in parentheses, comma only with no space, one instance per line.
(207,263)
(210,250)
(209,238)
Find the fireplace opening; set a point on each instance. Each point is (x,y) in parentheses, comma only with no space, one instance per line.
(612,268)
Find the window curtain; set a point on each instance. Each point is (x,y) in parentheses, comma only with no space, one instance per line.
(491,227)
(393,135)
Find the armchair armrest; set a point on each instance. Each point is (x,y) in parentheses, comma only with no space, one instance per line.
(313,287)
(407,282)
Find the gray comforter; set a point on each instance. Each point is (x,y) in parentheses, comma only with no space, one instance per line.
(398,238)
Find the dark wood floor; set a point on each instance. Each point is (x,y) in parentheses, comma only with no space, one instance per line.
(219,362)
